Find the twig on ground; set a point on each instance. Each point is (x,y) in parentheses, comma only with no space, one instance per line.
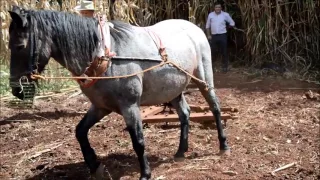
(110,177)
(75,94)
(283,168)
(5,98)
(44,151)
(207,159)
(302,88)
(166,131)
(202,168)
(41,117)
(230,173)
(58,94)
(16,120)
(252,82)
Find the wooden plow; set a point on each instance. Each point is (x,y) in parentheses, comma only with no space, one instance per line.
(200,114)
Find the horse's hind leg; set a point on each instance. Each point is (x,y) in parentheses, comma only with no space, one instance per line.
(214,104)
(183,110)
(205,73)
(93,116)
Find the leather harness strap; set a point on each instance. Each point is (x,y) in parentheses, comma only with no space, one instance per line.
(96,69)
(100,64)
(108,53)
(162,49)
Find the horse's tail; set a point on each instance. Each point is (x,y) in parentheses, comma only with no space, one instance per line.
(204,69)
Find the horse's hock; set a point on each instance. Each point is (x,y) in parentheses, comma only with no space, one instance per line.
(200,114)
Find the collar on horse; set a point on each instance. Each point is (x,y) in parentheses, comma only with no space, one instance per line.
(100,64)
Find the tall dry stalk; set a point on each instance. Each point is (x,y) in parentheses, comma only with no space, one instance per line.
(285,32)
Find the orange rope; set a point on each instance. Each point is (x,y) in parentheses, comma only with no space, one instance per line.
(36,76)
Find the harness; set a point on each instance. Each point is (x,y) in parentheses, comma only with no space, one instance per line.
(100,64)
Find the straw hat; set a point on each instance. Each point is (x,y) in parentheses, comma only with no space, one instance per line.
(85,5)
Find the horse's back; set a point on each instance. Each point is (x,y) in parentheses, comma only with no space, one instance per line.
(172,27)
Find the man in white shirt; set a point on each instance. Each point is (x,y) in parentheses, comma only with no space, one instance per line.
(217,32)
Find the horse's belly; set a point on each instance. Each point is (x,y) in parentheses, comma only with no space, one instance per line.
(163,86)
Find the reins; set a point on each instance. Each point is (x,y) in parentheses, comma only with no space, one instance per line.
(37,76)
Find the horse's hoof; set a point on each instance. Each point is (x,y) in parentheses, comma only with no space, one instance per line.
(224,152)
(99,175)
(179,157)
(145,177)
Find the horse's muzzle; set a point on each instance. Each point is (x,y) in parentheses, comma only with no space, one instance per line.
(16,91)
(18,86)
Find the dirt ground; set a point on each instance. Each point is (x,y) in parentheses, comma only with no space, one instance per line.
(278,124)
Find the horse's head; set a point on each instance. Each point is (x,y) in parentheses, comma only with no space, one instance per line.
(24,59)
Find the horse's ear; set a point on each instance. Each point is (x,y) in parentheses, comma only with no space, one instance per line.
(16,8)
(19,19)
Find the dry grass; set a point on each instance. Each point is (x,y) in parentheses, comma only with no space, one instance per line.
(285,32)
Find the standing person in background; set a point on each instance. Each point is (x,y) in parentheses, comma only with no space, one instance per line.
(86,9)
(217,32)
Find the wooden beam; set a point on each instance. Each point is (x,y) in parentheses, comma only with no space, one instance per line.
(207,108)
(151,110)
(195,117)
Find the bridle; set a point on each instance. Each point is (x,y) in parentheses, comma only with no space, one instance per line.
(34,52)
(33,56)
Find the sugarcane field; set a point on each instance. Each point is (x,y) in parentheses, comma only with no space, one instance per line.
(161,90)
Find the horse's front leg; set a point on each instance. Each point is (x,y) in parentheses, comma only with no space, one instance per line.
(132,117)
(93,116)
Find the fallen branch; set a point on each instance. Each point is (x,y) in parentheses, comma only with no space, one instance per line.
(57,94)
(283,168)
(207,159)
(252,82)
(41,117)
(6,98)
(230,173)
(75,94)
(300,88)
(16,120)
(44,151)
(166,131)
(203,168)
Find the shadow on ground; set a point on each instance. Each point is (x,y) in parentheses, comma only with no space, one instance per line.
(245,83)
(118,165)
(38,116)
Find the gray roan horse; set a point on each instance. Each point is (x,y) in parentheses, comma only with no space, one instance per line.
(37,36)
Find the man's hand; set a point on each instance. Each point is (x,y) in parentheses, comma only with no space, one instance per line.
(208,33)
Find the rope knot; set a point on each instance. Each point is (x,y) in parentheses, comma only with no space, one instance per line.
(37,76)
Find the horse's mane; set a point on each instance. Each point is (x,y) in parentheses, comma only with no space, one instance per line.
(75,36)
